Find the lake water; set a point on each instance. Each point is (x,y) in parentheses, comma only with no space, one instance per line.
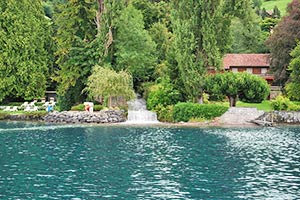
(90,162)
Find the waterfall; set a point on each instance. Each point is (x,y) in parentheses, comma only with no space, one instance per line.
(138,113)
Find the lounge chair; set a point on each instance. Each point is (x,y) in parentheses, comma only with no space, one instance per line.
(15,108)
(7,108)
(24,105)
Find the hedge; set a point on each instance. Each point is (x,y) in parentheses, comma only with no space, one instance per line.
(186,111)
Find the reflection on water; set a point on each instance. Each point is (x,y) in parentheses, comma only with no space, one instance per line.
(65,162)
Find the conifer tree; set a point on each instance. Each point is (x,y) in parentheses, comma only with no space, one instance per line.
(75,49)
(24,59)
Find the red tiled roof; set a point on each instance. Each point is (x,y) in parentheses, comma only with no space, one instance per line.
(246,60)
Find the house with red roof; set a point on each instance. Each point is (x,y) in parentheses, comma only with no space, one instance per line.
(257,64)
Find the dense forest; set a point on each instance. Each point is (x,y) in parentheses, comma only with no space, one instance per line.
(161,45)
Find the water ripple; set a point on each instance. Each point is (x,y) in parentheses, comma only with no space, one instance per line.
(148,163)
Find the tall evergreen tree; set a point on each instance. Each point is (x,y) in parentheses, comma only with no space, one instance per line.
(75,51)
(24,37)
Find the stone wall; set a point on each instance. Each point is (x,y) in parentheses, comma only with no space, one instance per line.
(109,116)
(284,117)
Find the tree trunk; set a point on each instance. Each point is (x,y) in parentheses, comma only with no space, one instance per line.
(232,101)
(99,13)
(200,100)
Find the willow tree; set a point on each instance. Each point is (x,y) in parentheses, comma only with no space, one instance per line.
(107,83)
(24,59)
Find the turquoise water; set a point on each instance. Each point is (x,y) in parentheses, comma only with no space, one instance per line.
(86,162)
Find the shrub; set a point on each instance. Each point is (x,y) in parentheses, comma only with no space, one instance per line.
(254,89)
(79,107)
(293,107)
(164,114)
(186,111)
(280,103)
(163,94)
(98,107)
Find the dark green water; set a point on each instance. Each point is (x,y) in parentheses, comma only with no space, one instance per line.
(67,162)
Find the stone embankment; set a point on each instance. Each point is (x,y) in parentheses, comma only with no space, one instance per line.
(280,117)
(109,116)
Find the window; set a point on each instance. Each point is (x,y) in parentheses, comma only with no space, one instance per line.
(256,71)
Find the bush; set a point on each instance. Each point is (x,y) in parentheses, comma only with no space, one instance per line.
(98,107)
(254,89)
(163,94)
(80,107)
(280,103)
(293,107)
(186,111)
(164,114)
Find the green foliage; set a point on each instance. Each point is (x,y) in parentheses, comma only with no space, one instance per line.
(248,87)
(164,94)
(293,107)
(186,111)
(80,107)
(268,24)
(276,12)
(76,31)
(293,87)
(282,41)
(106,83)
(164,113)
(70,97)
(254,89)
(162,37)
(247,35)
(135,50)
(280,103)
(24,56)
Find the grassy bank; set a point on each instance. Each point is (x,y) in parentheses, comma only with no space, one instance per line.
(281,4)
(22,115)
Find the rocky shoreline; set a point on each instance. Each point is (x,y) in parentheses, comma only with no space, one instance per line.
(234,117)
(73,117)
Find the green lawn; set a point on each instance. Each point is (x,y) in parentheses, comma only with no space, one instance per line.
(281,4)
(265,105)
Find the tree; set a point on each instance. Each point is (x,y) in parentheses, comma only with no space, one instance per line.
(76,54)
(283,41)
(248,87)
(201,38)
(106,83)
(135,50)
(247,37)
(276,13)
(293,86)
(195,44)
(24,60)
